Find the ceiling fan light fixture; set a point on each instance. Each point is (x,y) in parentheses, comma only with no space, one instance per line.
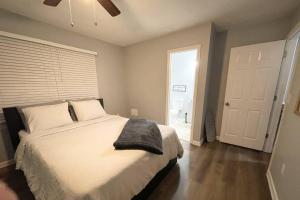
(94,14)
(70,12)
(53,3)
(108,5)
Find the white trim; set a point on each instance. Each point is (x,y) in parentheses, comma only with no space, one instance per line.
(198,47)
(6,163)
(272,188)
(30,39)
(197,143)
(167,89)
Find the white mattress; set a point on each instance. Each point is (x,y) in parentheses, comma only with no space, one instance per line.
(79,161)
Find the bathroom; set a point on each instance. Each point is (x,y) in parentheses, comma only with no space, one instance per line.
(182,70)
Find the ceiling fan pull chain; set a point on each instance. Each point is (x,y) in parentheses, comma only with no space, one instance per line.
(94,14)
(71,17)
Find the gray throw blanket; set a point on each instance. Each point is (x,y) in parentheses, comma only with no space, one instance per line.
(140,134)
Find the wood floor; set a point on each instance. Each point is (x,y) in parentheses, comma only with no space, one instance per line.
(214,171)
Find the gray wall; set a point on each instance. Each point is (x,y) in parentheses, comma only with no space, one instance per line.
(135,76)
(238,36)
(216,71)
(287,147)
(286,150)
(146,72)
(109,62)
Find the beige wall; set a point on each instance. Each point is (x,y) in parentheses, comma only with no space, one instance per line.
(146,72)
(296,17)
(287,147)
(239,36)
(109,62)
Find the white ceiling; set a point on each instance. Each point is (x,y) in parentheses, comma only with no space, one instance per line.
(145,19)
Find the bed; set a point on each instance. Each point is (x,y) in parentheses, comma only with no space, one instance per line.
(78,161)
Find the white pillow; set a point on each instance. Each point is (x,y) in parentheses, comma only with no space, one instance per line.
(48,116)
(89,109)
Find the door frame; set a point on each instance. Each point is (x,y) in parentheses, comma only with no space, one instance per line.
(283,81)
(295,33)
(183,49)
(270,142)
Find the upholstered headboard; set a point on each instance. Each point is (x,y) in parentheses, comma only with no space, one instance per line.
(15,124)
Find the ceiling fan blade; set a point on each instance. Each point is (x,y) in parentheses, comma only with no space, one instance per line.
(52,2)
(110,7)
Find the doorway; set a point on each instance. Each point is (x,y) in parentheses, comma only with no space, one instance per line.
(181,89)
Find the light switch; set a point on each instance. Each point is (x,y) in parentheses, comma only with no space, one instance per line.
(282,169)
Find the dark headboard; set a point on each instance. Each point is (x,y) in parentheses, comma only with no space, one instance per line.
(15,124)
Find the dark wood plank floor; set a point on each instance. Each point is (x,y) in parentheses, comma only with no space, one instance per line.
(214,171)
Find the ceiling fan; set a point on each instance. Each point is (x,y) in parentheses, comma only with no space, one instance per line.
(108,5)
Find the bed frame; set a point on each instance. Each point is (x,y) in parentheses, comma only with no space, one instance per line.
(15,123)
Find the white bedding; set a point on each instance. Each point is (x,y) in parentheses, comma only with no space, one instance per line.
(78,161)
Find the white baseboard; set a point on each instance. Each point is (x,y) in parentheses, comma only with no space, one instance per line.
(6,163)
(272,186)
(197,143)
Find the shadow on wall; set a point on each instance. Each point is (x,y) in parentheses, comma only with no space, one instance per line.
(6,149)
(216,72)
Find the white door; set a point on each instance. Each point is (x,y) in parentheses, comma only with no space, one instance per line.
(251,83)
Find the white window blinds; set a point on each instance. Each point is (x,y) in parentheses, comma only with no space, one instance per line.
(32,73)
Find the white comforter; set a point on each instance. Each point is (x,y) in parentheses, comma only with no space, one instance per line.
(79,161)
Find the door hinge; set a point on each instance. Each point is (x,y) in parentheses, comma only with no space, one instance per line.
(284,54)
(267,135)
(275,98)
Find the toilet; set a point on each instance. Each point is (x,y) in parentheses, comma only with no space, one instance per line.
(176,108)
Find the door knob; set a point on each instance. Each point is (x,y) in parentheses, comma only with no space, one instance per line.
(227,104)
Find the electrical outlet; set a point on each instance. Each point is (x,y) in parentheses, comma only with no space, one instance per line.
(282,169)
(134,112)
